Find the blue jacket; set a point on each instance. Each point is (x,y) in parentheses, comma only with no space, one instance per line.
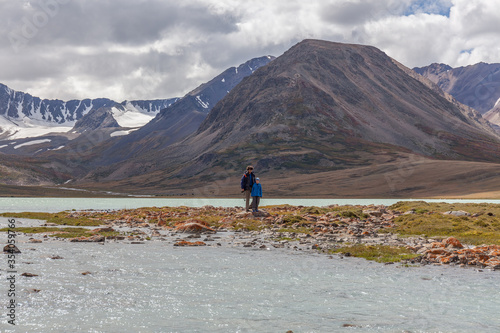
(247,181)
(256,190)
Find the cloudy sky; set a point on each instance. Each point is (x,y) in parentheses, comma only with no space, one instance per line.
(145,49)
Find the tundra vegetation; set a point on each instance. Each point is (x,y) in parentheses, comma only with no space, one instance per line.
(372,232)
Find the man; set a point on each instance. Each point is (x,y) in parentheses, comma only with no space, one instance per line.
(246,184)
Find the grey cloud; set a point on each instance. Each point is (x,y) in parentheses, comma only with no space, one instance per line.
(359,11)
(88,48)
(93,22)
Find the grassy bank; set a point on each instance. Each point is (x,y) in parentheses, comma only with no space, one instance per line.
(378,253)
(480,226)
(62,218)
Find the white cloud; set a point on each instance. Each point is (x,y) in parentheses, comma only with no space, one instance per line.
(93,48)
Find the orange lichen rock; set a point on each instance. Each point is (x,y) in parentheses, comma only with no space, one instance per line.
(453,242)
(186,243)
(194,226)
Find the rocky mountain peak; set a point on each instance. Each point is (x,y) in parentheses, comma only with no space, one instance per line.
(96,119)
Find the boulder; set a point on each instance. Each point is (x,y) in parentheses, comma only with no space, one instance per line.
(194,227)
(375,213)
(186,243)
(452,242)
(106,229)
(11,248)
(493,263)
(457,213)
(96,238)
(244,215)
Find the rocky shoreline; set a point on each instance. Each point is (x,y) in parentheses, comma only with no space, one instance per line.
(318,229)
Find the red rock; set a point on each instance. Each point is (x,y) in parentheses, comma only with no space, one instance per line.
(107,229)
(445,260)
(194,227)
(186,243)
(482,257)
(493,262)
(453,242)
(437,244)
(437,251)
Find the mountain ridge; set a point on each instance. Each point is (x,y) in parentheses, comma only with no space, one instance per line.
(19,110)
(321,106)
(477,86)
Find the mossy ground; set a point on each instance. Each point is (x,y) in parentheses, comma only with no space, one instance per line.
(55,232)
(61,218)
(481,227)
(379,253)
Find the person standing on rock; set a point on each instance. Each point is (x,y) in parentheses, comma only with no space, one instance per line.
(246,185)
(256,195)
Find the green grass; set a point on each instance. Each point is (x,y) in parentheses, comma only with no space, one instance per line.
(292,219)
(378,253)
(68,232)
(57,218)
(423,207)
(428,220)
(285,239)
(248,225)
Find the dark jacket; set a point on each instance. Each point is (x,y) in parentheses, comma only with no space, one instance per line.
(247,181)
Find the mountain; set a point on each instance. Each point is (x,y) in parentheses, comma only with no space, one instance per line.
(107,134)
(477,86)
(493,116)
(96,119)
(180,119)
(320,107)
(22,115)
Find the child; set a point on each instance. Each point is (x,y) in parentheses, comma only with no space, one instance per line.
(256,195)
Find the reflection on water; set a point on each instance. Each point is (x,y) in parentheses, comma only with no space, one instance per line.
(154,287)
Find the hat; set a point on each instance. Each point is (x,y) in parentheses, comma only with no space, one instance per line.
(257,178)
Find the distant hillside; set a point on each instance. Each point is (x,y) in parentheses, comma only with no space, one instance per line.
(180,119)
(320,107)
(477,86)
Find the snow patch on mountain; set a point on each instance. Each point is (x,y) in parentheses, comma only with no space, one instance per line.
(27,128)
(204,105)
(131,116)
(122,133)
(23,115)
(30,143)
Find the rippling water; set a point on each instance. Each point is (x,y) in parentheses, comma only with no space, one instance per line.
(155,287)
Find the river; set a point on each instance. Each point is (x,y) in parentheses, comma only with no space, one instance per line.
(156,287)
